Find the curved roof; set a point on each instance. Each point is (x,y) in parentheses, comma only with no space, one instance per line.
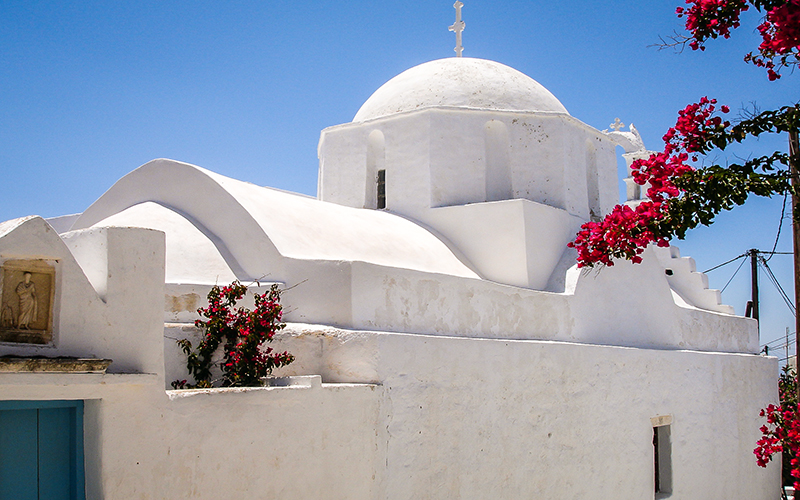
(191,257)
(461,82)
(214,223)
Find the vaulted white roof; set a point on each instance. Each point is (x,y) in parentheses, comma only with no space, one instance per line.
(215,224)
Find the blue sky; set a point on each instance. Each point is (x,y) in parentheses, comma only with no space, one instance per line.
(91,90)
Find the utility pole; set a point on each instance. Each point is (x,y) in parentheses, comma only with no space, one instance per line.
(753,253)
(794,165)
(787,345)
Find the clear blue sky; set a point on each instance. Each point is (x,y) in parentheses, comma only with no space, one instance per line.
(91,90)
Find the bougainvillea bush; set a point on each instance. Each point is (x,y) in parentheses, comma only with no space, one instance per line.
(240,334)
(779,29)
(781,433)
(681,196)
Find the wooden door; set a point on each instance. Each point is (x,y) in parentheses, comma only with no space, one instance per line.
(41,450)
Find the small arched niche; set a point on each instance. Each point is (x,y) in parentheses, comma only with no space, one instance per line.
(592,182)
(375,194)
(498,170)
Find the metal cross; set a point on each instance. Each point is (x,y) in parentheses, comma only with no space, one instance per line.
(458,27)
(617,124)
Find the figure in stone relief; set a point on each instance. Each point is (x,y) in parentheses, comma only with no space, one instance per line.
(26,291)
(7,317)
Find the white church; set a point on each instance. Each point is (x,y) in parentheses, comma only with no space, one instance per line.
(447,345)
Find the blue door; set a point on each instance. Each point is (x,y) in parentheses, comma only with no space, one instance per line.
(41,450)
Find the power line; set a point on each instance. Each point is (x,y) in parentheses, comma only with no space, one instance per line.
(724,263)
(773,252)
(780,225)
(777,284)
(780,339)
(734,273)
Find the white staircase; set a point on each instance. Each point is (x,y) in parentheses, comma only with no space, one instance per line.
(691,286)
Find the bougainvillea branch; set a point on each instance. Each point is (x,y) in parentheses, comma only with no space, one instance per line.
(779,29)
(780,33)
(711,19)
(682,197)
(242,334)
(781,433)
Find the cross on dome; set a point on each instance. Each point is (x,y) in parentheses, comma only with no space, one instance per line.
(458,27)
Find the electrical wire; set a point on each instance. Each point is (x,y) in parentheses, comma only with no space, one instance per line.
(780,225)
(734,273)
(777,284)
(724,263)
(780,339)
(783,344)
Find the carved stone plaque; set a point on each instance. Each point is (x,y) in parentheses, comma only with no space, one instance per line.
(27,288)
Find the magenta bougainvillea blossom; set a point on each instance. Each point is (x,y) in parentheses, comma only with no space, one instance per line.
(781,433)
(626,231)
(779,29)
(242,333)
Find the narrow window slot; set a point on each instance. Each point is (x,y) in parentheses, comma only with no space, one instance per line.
(662,460)
(381,189)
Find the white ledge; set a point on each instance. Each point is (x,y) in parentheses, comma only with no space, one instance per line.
(293,383)
(64,379)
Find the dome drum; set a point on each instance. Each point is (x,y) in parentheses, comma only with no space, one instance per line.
(439,157)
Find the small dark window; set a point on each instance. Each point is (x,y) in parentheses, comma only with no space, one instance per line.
(668,272)
(662,457)
(381,189)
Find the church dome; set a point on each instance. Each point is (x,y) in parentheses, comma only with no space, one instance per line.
(460,82)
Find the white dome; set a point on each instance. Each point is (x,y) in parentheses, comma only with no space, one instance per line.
(459,82)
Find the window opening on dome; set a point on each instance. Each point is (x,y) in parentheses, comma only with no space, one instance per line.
(376,160)
(381,189)
(592,182)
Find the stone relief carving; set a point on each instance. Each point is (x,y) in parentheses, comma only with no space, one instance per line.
(26,290)
(26,301)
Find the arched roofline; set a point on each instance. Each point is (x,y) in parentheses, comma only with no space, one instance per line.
(178,186)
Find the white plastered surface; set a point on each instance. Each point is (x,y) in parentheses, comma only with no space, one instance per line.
(459,82)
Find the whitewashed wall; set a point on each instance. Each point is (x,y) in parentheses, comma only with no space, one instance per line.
(625,305)
(114,315)
(290,442)
(493,418)
(403,415)
(517,242)
(142,442)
